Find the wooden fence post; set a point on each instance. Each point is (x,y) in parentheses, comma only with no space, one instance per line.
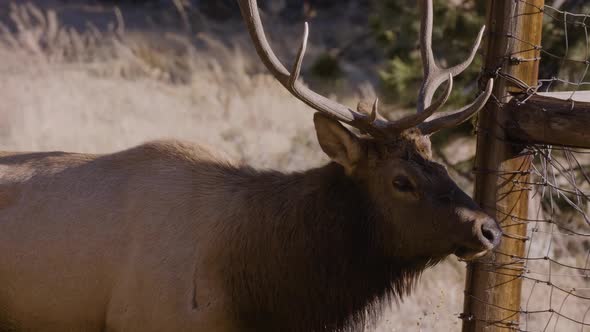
(492,296)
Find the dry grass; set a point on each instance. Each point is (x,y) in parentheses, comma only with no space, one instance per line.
(102,92)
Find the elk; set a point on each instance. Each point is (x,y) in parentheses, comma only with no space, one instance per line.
(171,236)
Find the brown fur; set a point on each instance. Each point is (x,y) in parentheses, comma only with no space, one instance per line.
(313,261)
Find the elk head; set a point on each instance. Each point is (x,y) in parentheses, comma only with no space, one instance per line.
(424,212)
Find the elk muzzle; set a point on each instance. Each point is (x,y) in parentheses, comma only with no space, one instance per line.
(485,235)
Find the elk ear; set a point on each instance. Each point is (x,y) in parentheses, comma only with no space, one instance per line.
(338,143)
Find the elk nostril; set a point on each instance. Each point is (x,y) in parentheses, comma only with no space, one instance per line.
(491,232)
(488,234)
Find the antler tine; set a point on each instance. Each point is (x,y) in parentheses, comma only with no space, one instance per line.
(374,111)
(415,119)
(434,76)
(453,118)
(299,59)
(251,15)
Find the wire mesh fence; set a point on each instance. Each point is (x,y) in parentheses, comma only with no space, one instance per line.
(555,267)
(556,287)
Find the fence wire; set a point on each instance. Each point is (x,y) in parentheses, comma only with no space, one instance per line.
(555,268)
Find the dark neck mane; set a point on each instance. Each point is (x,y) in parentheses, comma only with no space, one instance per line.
(311,261)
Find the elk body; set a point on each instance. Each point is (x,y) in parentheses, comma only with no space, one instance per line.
(169,236)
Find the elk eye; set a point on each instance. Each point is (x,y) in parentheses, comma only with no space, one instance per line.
(403,184)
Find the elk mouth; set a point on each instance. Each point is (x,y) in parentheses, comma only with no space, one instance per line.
(468,254)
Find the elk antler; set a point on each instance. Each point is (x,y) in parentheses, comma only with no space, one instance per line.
(369,123)
(434,76)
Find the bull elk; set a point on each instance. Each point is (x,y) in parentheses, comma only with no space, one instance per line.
(169,236)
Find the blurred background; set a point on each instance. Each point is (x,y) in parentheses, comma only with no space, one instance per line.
(98,76)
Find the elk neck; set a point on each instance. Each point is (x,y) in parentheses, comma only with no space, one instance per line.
(304,255)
